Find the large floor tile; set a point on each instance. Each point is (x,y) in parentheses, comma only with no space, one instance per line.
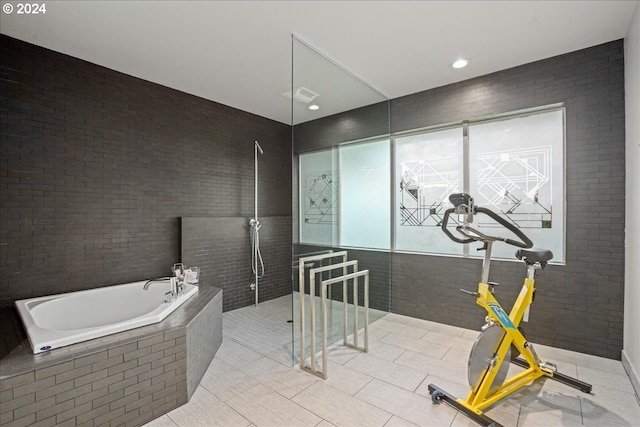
(450,330)
(206,410)
(264,407)
(225,381)
(398,318)
(398,422)
(607,396)
(417,345)
(406,405)
(544,405)
(456,355)
(456,369)
(398,328)
(611,380)
(544,419)
(443,338)
(385,351)
(282,379)
(610,407)
(163,421)
(236,354)
(346,379)
(387,371)
(339,408)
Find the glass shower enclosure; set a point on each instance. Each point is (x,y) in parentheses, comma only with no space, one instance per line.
(341,207)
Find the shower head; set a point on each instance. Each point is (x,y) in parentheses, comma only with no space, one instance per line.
(258,147)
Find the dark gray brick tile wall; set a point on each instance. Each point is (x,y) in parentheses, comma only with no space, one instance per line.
(97,167)
(579,305)
(131,380)
(365,122)
(221,247)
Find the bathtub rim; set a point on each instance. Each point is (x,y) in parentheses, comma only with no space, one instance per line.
(21,360)
(59,339)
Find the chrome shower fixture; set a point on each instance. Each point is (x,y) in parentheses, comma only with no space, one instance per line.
(257,264)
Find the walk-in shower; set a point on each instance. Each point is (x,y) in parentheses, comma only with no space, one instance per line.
(349,111)
(335,181)
(257,264)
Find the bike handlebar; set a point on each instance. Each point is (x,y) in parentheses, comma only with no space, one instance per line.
(480,237)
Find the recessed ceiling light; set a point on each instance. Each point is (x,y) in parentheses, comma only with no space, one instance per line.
(460,63)
(314,107)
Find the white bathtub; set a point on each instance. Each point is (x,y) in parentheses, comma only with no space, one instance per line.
(59,320)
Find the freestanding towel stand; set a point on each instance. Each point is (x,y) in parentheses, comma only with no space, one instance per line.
(345,278)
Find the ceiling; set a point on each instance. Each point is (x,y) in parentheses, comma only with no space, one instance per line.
(238,53)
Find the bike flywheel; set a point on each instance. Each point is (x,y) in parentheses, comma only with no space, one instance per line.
(482,354)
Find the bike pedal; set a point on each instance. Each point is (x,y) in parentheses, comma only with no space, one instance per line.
(548,366)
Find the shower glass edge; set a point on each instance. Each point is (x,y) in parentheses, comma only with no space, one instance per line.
(351,113)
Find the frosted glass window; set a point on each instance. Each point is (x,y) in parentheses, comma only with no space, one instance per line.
(318,198)
(365,195)
(428,168)
(516,168)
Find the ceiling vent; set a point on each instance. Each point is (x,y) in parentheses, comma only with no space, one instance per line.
(301,94)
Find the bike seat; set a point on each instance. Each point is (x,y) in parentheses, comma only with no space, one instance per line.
(534,255)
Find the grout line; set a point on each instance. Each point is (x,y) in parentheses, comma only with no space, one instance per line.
(361,388)
(520,414)
(171,420)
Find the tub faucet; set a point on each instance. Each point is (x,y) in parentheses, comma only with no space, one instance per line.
(150,281)
(177,283)
(173,294)
(176,287)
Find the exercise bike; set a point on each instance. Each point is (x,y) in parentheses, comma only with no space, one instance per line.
(501,340)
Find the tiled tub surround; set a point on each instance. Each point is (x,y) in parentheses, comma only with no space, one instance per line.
(58,320)
(128,378)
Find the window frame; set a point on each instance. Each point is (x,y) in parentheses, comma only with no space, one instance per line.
(464,125)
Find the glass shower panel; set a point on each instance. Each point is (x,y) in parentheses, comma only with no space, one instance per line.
(345,110)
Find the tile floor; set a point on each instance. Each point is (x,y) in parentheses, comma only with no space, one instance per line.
(250,381)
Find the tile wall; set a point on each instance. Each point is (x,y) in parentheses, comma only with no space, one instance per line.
(97,168)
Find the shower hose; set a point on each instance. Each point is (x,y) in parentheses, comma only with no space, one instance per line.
(257,265)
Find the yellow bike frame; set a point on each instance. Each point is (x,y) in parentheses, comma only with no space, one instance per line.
(479,398)
(482,394)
